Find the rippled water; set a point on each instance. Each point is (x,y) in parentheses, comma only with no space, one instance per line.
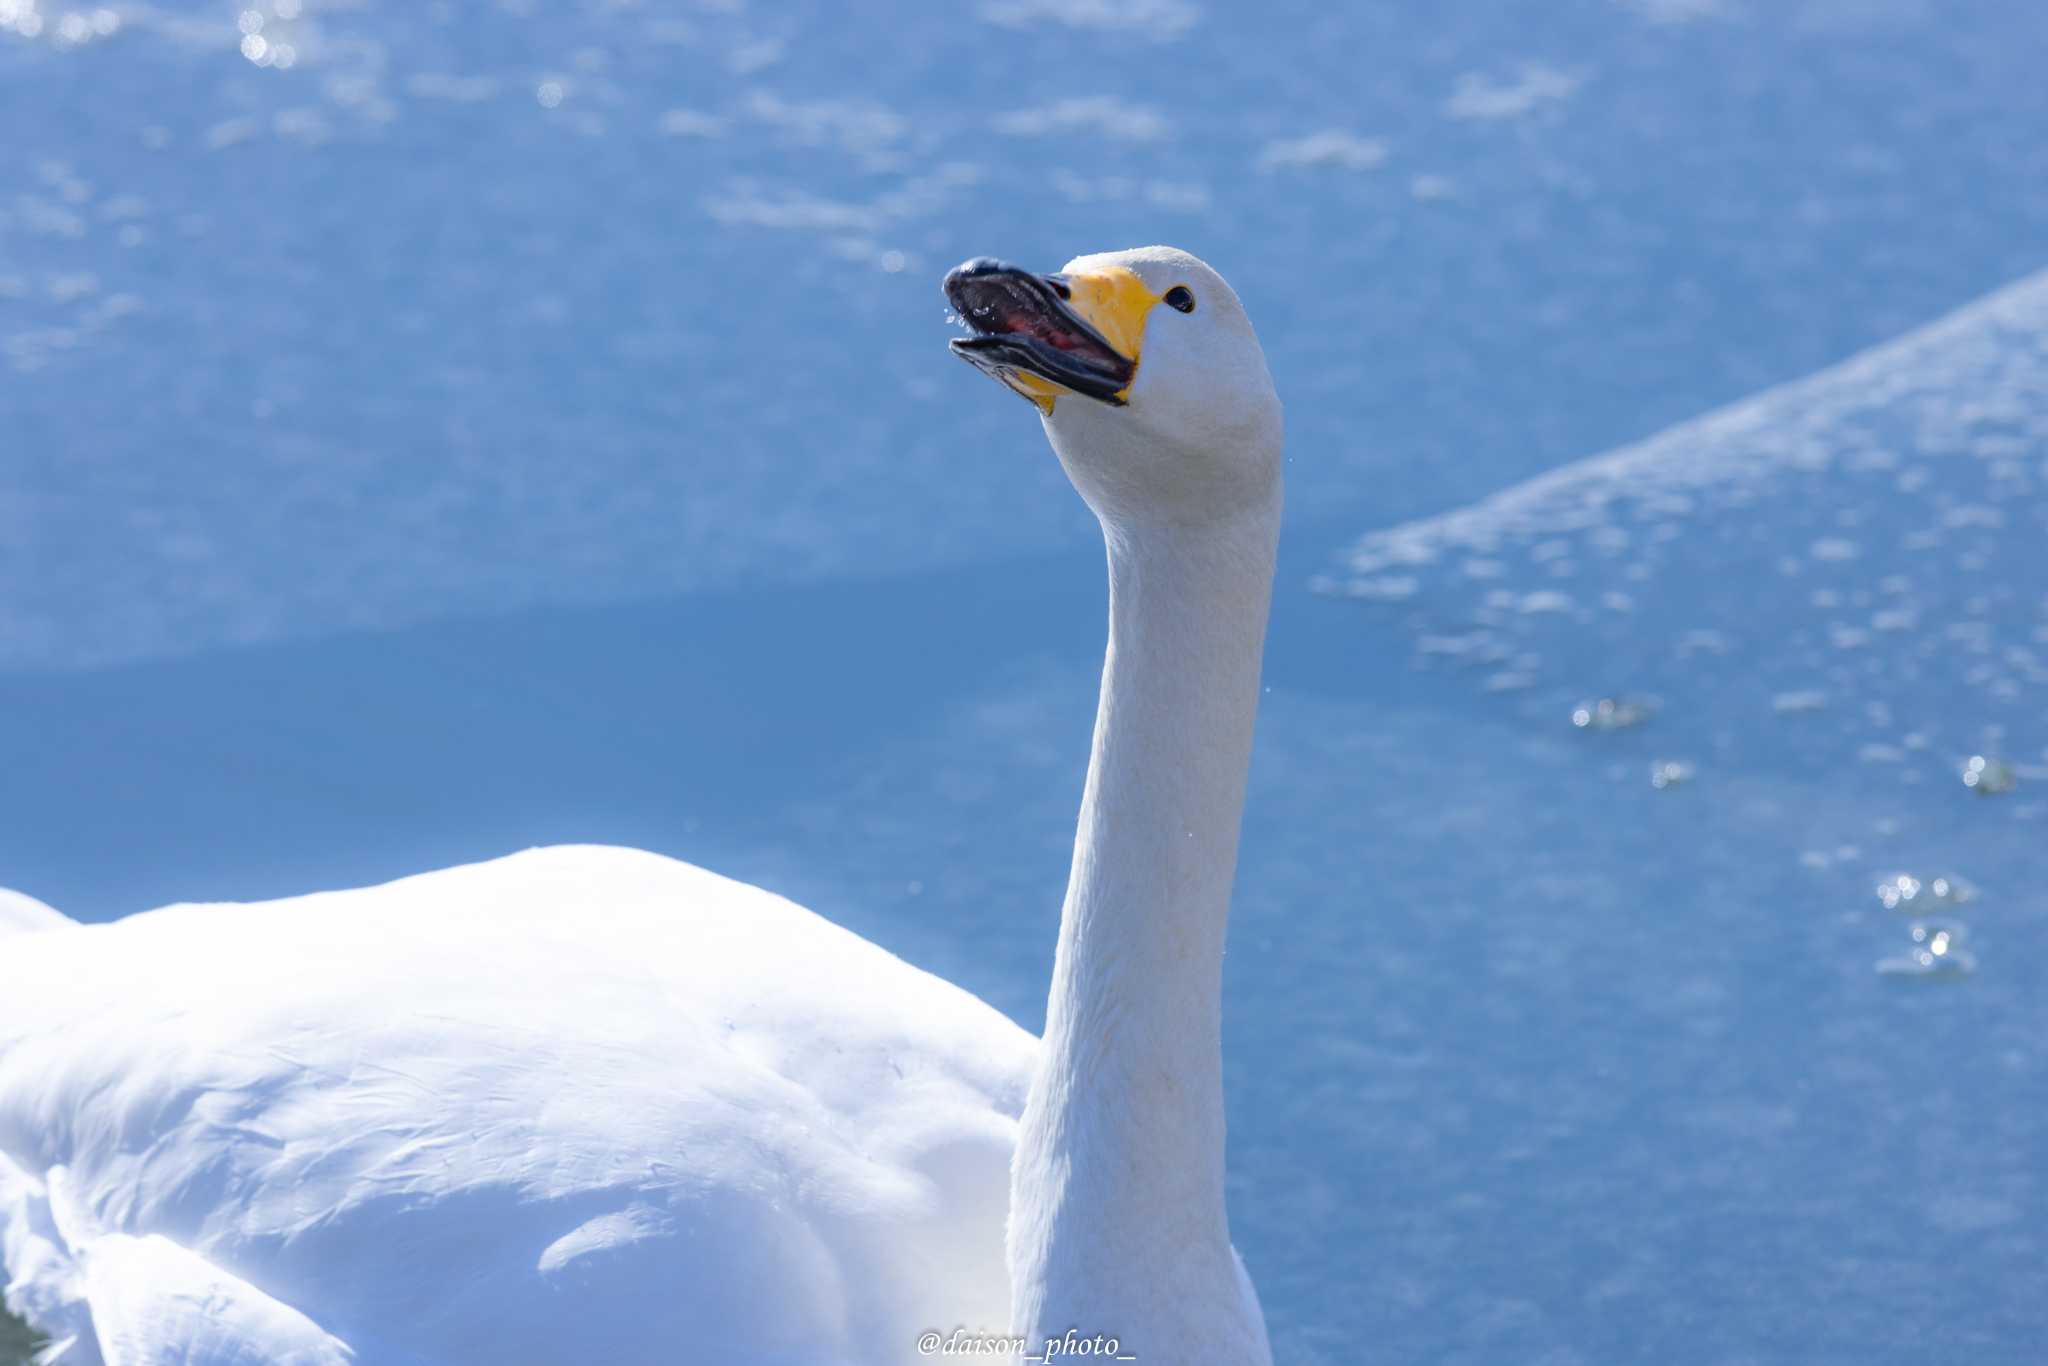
(462,308)
(426,430)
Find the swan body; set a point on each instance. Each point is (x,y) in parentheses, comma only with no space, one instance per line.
(20,914)
(595,1104)
(575,1104)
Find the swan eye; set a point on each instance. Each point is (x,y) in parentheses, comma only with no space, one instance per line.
(1181,298)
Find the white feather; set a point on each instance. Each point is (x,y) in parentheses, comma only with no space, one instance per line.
(575,1104)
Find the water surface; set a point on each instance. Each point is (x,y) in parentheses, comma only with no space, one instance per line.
(521,424)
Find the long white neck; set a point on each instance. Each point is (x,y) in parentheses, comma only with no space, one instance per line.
(1117,1222)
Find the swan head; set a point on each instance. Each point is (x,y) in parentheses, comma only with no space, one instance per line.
(1145,371)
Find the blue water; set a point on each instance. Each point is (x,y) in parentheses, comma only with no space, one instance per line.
(530,424)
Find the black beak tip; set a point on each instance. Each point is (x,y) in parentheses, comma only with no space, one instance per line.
(1022,322)
(977,266)
(983,265)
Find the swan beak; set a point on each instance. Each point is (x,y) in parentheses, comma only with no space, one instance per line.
(1048,335)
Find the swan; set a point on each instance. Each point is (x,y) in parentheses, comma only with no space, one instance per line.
(594,1104)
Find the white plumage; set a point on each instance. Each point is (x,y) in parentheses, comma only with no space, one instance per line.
(578,1104)
(20,913)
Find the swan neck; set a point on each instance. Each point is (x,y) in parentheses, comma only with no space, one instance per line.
(1120,1160)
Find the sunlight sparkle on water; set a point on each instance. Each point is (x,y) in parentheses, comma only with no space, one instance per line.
(1905,892)
(1937,952)
(1989,777)
(1613,713)
(1667,773)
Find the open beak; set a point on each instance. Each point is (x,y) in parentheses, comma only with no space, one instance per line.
(1046,335)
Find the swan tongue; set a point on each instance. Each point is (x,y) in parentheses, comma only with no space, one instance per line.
(1028,336)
